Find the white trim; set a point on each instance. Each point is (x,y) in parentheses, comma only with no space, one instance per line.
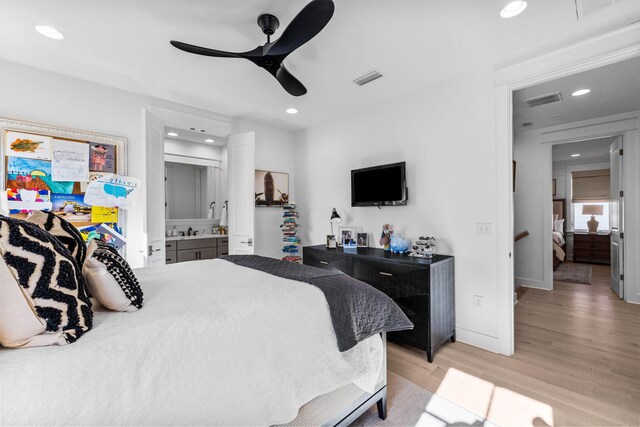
(531,283)
(198,161)
(605,49)
(221,126)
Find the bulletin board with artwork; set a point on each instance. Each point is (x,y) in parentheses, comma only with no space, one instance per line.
(50,168)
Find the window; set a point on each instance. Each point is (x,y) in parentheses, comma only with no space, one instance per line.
(580,221)
(590,187)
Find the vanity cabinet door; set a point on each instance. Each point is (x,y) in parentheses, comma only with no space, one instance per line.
(188,255)
(208,253)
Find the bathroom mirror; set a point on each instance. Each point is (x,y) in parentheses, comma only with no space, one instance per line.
(189,190)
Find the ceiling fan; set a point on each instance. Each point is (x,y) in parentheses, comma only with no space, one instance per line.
(305,26)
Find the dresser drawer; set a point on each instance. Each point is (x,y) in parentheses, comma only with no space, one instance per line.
(590,238)
(170,245)
(396,280)
(328,261)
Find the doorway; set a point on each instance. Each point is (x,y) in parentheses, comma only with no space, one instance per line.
(600,51)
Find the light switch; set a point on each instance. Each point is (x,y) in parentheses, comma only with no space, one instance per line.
(484,229)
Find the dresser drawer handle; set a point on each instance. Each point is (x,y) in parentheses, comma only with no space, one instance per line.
(324,262)
(386,274)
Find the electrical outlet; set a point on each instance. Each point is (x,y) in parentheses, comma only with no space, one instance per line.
(484,229)
(477,301)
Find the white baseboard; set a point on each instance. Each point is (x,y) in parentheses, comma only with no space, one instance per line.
(531,283)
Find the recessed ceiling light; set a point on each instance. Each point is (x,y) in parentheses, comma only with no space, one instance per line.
(209,140)
(50,32)
(575,155)
(172,134)
(581,92)
(292,111)
(513,8)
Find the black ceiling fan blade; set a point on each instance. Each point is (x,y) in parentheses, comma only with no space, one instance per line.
(289,82)
(204,50)
(305,26)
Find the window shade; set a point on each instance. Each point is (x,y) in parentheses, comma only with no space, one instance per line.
(590,186)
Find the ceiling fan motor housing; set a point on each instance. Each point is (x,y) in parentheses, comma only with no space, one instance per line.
(268,23)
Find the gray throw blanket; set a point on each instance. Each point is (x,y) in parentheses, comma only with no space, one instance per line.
(358,310)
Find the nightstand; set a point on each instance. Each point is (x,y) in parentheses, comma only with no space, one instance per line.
(593,248)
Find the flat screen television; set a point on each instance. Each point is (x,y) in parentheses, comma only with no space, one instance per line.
(383,185)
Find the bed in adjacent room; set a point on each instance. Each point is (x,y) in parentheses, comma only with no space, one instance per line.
(558,233)
(216,343)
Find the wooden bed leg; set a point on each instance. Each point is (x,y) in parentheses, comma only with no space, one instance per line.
(382,406)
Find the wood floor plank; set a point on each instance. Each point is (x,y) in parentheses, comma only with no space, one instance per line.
(577,351)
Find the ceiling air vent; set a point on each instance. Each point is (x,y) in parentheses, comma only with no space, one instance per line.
(527,124)
(543,99)
(367,78)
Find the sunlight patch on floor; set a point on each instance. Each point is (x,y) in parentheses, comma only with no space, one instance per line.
(497,404)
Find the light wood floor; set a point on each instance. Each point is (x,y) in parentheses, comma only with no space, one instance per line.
(577,357)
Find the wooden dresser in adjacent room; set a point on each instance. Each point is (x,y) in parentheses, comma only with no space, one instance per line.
(593,248)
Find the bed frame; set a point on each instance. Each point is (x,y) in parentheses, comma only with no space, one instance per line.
(344,405)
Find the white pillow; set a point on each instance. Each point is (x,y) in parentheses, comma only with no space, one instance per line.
(559,225)
(554,217)
(117,290)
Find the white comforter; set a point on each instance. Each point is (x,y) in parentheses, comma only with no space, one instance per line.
(214,344)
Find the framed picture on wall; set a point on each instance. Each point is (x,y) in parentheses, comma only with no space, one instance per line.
(271,188)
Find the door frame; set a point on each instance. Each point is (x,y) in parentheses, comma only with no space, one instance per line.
(217,125)
(605,49)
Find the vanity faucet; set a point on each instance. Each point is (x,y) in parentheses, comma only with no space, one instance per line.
(189,231)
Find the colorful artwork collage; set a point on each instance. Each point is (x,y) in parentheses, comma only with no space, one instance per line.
(45,173)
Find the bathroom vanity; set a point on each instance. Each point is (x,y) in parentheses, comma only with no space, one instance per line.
(193,248)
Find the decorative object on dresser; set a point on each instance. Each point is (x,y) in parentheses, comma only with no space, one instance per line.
(290,240)
(399,244)
(195,248)
(592,210)
(335,219)
(385,238)
(363,240)
(331,241)
(591,248)
(425,247)
(346,234)
(424,289)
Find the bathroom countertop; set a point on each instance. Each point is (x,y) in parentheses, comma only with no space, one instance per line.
(199,236)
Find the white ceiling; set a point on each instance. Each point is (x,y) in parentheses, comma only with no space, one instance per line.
(591,149)
(125,44)
(614,88)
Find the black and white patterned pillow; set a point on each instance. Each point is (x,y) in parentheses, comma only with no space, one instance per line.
(50,281)
(110,278)
(63,230)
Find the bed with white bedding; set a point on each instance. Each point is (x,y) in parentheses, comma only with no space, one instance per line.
(214,344)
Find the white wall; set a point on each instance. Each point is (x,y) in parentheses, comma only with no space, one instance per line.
(274,152)
(44,97)
(532,205)
(450,175)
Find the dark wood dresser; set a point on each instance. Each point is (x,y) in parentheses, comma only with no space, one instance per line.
(424,289)
(594,248)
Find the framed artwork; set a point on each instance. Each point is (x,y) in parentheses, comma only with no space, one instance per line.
(553,181)
(331,241)
(346,234)
(271,188)
(28,145)
(363,240)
